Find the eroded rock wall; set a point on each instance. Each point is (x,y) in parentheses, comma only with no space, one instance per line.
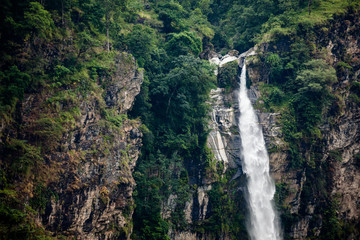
(86,170)
(340,138)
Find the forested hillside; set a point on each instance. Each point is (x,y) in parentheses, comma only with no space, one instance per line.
(105,108)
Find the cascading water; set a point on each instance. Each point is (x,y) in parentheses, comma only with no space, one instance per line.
(261,189)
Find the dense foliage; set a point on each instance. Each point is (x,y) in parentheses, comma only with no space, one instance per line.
(64,50)
(67,48)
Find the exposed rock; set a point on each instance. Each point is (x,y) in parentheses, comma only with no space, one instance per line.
(186,235)
(223,140)
(344,137)
(169,206)
(92,164)
(188,210)
(341,136)
(227,58)
(124,85)
(300,229)
(233,53)
(224,135)
(203,200)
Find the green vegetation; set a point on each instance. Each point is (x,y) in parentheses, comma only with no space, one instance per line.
(300,87)
(22,156)
(228,74)
(242,24)
(16,223)
(176,121)
(227,214)
(66,52)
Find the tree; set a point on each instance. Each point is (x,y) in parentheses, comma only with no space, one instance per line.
(38,20)
(110,7)
(179,96)
(141,41)
(13,84)
(313,93)
(172,14)
(183,43)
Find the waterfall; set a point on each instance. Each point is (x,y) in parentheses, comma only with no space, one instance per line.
(261,188)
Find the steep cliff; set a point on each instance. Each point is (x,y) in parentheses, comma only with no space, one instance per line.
(321,198)
(69,152)
(317,194)
(81,183)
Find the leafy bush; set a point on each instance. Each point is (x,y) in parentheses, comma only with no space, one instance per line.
(39,20)
(16,219)
(183,43)
(114,118)
(172,14)
(21,156)
(13,83)
(276,96)
(141,42)
(228,75)
(313,93)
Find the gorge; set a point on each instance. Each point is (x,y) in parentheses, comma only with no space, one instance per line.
(113,124)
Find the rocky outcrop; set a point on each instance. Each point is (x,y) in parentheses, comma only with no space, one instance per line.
(95,199)
(224,134)
(342,131)
(86,180)
(97,184)
(124,84)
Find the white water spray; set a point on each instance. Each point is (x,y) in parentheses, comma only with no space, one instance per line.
(261,189)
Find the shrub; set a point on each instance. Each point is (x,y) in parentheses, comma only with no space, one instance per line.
(21,156)
(39,20)
(141,41)
(228,75)
(183,43)
(13,83)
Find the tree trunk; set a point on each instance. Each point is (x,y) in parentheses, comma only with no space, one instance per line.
(309,6)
